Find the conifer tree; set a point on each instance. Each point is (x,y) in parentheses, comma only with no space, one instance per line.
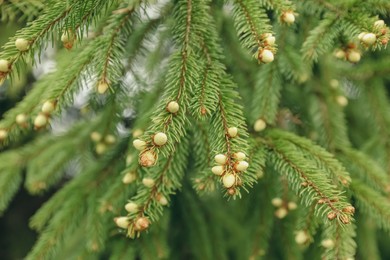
(200,129)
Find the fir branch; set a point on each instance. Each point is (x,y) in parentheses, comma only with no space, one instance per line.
(20,10)
(288,247)
(266,94)
(173,125)
(32,153)
(120,249)
(203,158)
(206,75)
(206,93)
(193,212)
(330,7)
(44,170)
(279,6)
(328,120)
(106,199)
(307,180)
(367,239)
(372,203)
(10,177)
(111,201)
(96,229)
(321,38)
(311,8)
(184,55)
(292,65)
(70,212)
(225,127)
(48,210)
(257,158)
(229,114)
(203,181)
(366,169)
(166,180)
(344,246)
(308,224)
(350,29)
(115,34)
(42,29)
(182,74)
(154,245)
(214,70)
(109,67)
(185,48)
(187,31)
(29,105)
(146,204)
(146,107)
(61,226)
(350,20)
(324,159)
(376,6)
(35,34)
(379,108)
(260,218)
(67,84)
(68,80)
(251,23)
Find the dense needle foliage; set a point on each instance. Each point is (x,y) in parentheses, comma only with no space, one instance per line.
(200,129)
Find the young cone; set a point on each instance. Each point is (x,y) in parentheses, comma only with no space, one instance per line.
(173,107)
(288,17)
(148,182)
(68,38)
(379,23)
(301,237)
(95,136)
(131,207)
(21,119)
(100,148)
(241,166)
(102,87)
(369,38)
(327,243)
(122,222)
(220,159)
(160,139)
(218,170)
(129,177)
(353,56)
(239,156)
(4,66)
(228,180)
(3,134)
(266,56)
(139,144)
(281,213)
(110,139)
(259,125)
(141,224)
(277,202)
(232,131)
(48,107)
(147,158)
(21,44)
(40,121)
